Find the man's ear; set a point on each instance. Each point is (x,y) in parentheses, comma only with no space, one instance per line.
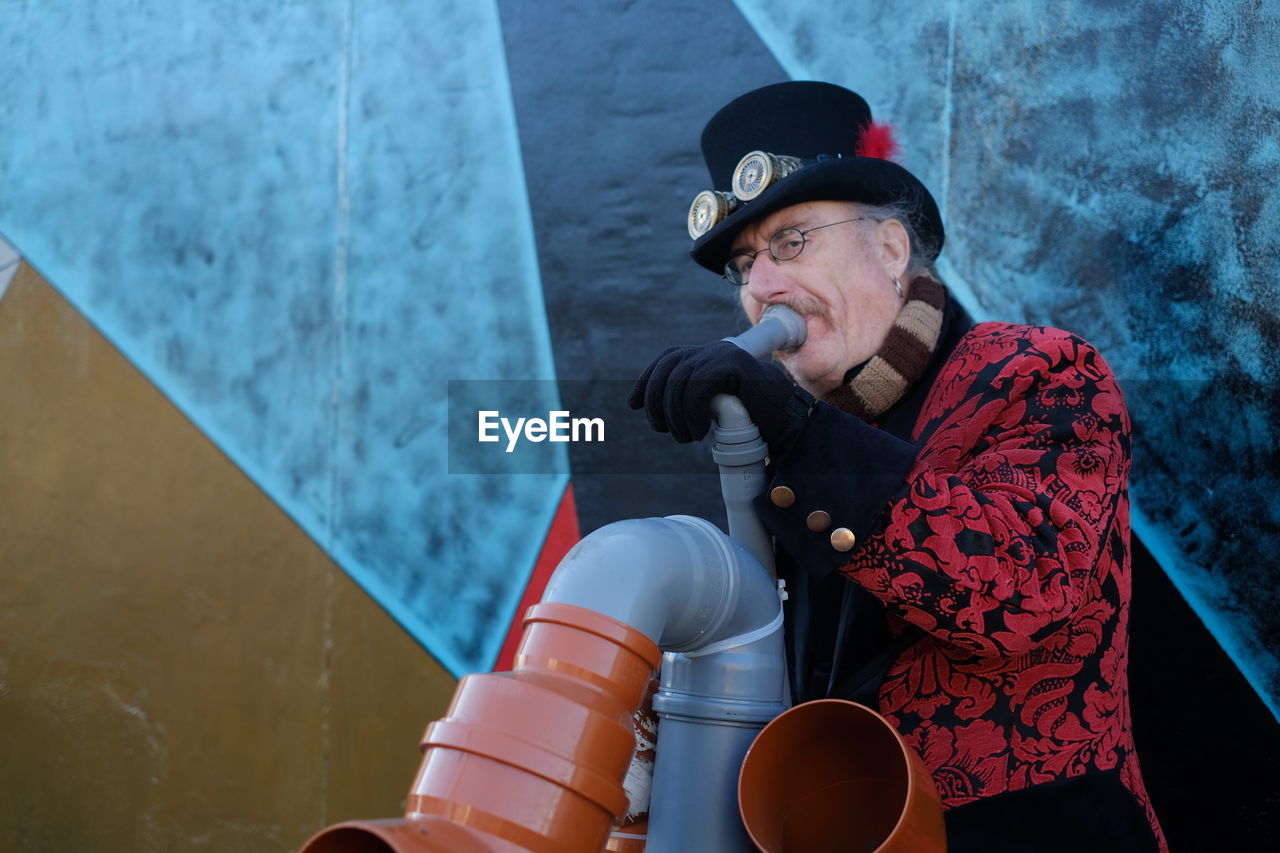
(894,247)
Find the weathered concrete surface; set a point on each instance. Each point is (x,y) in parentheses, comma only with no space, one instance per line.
(301,220)
(289,214)
(610,100)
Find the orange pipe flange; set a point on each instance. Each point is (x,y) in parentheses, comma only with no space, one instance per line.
(532,759)
(835,775)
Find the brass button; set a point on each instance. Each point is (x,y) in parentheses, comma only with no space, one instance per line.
(818,521)
(842,539)
(782,497)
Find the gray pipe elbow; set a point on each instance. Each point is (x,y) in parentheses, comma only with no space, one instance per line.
(730,414)
(679,580)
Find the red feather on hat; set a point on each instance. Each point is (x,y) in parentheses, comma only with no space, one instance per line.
(877,141)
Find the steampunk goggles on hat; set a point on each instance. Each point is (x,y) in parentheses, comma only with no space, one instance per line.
(754,174)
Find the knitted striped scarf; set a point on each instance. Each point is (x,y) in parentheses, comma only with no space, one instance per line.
(882,380)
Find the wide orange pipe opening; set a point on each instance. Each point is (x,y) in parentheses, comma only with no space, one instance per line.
(527,760)
(833,775)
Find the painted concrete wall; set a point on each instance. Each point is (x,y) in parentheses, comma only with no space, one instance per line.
(301,220)
(261,238)
(258,241)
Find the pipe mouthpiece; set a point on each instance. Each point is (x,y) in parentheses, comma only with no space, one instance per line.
(792,324)
(780,328)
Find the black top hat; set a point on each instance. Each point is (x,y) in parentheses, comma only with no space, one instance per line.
(821,126)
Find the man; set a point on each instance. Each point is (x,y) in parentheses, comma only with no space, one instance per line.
(948,501)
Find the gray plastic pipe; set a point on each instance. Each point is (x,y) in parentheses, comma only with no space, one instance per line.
(715,612)
(711,603)
(739,450)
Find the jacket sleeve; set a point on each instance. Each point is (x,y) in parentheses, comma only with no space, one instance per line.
(987,535)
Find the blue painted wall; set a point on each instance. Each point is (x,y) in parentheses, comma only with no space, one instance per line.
(301,220)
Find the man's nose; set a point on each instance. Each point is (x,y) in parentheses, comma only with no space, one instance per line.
(768,282)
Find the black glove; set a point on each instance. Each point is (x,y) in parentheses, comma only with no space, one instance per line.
(676,390)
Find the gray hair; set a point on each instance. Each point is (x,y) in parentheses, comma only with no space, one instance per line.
(923,253)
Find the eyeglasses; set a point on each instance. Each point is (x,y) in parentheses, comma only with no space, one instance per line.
(786,245)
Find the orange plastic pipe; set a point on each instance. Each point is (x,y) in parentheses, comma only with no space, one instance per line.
(835,775)
(527,760)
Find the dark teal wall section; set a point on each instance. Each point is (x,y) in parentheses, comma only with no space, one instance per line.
(1110,168)
(301,220)
(610,99)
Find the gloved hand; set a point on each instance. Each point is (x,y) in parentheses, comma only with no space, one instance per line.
(675,392)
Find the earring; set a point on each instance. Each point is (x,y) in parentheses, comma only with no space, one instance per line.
(897,285)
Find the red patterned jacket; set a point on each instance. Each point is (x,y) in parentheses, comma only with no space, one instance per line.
(998,532)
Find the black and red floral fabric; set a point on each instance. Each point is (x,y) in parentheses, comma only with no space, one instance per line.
(998,532)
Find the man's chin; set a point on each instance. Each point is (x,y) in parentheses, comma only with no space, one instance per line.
(816,382)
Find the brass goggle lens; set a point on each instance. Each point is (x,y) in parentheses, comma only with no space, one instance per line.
(758,170)
(708,208)
(754,174)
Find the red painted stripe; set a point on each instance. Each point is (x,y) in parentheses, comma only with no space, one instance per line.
(562,536)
